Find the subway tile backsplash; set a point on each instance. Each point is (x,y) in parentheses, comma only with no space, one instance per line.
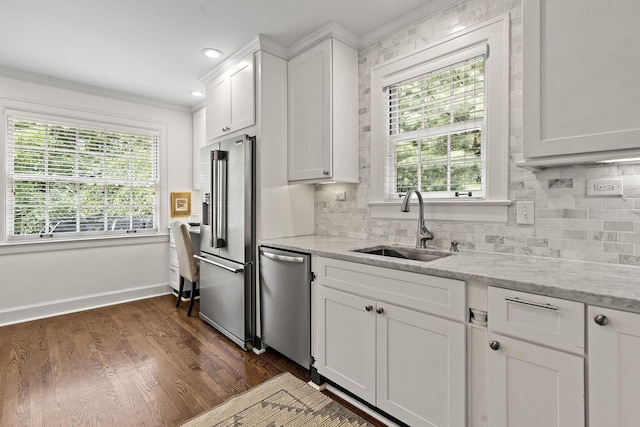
(568,224)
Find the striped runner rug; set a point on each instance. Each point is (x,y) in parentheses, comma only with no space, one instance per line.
(282,401)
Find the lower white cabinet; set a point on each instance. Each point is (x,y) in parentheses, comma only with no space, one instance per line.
(174,268)
(346,341)
(614,367)
(421,359)
(410,364)
(535,363)
(532,386)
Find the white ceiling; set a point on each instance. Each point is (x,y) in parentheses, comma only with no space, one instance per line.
(151,48)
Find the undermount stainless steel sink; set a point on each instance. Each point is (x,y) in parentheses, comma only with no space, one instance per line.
(424,255)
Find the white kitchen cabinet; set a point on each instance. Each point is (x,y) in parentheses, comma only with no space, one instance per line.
(531,386)
(375,340)
(535,367)
(580,91)
(231,100)
(421,375)
(614,367)
(323,114)
(346,340)
(174,267)
(199,141)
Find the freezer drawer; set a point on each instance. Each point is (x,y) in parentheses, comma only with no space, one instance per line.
(225,297)
(285,298)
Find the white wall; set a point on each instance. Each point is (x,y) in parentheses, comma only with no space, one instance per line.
(46,278)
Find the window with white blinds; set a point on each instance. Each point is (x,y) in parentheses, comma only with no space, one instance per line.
(70,179)
(434,132)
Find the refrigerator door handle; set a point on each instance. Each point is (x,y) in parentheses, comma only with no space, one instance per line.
(284,258)
(208,261)
(218,183)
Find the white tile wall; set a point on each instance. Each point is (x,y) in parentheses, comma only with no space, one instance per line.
(567,223)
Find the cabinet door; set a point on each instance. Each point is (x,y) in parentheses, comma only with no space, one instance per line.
(614,368)
(242,96)
(533,386)
(217,108)
(580,70)
(345,342)
(421,367)
(310,114)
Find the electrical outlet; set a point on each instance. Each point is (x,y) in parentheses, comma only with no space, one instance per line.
(604,187)
(525,212)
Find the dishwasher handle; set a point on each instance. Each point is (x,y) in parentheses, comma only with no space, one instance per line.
(284,258)
(208,261)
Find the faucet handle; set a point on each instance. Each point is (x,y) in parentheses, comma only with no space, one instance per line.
(454,245)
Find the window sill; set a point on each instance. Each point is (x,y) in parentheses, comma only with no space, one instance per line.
(495,211)
(23,247)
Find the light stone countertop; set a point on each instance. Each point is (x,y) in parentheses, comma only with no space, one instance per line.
(600,284)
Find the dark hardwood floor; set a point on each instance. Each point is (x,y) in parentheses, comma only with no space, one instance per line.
(143,363)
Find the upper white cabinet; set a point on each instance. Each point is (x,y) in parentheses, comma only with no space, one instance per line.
(231,100)
(580,89)
(323,114)
(614,367)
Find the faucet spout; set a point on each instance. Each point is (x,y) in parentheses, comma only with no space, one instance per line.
(423,233)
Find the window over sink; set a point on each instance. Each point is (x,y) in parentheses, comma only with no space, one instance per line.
(440,123)
(434,131)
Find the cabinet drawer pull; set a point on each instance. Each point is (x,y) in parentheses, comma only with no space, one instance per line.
(369,307)
(495,345)
(517,300)
(379,310)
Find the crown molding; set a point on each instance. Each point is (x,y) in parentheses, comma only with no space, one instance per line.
(331,30)
(92,90)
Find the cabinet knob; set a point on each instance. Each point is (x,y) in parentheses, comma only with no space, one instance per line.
(368,307)
(379,310)
(495,345)
(325,173)
(601,320)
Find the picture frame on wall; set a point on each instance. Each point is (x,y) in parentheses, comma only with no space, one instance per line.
(180,204)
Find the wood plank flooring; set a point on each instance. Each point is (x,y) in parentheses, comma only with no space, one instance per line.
(143,363)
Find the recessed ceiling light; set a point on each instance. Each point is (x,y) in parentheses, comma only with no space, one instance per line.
(196,93)
(212,53)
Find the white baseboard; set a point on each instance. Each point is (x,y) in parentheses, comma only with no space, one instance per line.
(84,302)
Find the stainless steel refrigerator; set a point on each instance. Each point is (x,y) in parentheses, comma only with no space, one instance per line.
(227,238)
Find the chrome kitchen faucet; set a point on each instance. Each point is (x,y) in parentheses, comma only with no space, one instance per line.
(423,233)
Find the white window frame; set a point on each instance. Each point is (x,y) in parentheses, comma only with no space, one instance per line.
(85,119)
(493,36)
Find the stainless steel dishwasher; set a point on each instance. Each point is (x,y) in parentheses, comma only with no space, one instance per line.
(285,303)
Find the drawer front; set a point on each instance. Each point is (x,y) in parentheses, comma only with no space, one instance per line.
(173,256)
(428,294)
(174,277)
(545,320)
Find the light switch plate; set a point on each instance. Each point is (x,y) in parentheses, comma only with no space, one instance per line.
(525,212)
(604,187)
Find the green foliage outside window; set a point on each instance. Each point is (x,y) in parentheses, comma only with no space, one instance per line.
(435,127)
(70,179)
